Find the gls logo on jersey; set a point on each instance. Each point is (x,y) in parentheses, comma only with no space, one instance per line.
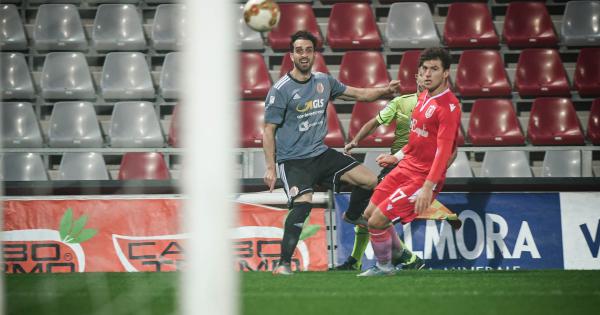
(314,104)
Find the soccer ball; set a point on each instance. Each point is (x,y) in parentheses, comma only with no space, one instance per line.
(261,15)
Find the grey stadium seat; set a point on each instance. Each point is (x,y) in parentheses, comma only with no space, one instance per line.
(562,164)
(126,75)
(169,76)
(369,160)
(15,79)
(66,75)
(12,33)
(58,27)
(55,1)
(135,124)
(74,124)
(20,127)
(410,25)
(168,28)
(96,2)
(581,23)
(505,164)
(22,167)
(248,39)
(461,167)
(82,166)
(118,27)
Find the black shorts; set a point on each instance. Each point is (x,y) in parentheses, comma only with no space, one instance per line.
(300,176)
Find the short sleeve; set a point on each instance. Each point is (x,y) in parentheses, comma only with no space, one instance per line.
(387,115)
(275,106)
(337,87)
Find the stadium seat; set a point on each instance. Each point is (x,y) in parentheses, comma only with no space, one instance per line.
(363,69)
(318,66)
(12,33)
(480,73)
(252,115)
(82,166)
(352,26)
(469,25)
(408,71)
(505,164)
(257,165)
(579,25)
(58,27)
(125,75)
(562,164)
(169,76)
(370,159)
(587,72)
(540,73)
(22,167)
(410,25)
(255,81)
(66,75)
(135,125)
(15,79)
(339,1)
(553,121)
(168,28)
(528,24)
(460,138)
(294,17)
(59,1)
(461,167)
(248,39)
(159,1)
(335,136)
(362,112)
(20,127)
(174,139)
(74,124)
(494,122)
(143,166)
(593,129)
(118,27)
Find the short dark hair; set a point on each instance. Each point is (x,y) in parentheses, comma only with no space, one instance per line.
(434,53)
(303,35)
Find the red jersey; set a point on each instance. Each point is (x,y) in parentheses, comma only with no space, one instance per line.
(434,124)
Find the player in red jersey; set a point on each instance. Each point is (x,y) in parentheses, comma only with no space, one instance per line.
(415,182)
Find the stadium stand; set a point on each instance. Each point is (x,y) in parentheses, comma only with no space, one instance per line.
(461,167)
(143,165)
(352,26)
(294,17)
(565,163)
(248,38)
(407,71)
(251,116)
(74,124)
(135,125)
(22,167)
(580,23)
(169,76)
(118,27)
(174,138)
(553,121)
(362,112)
(494,122)
(480,73)
(15,78)
(593,129)
(505,164)
(12,33)
(168,29)
(363,69)
(528,24)
(540,72)
(410,26)
(587,72)
(66,75)
(58,27)
(20,127)
(254,76)
(126,76)
(318,66)
(82,166)
(469,25)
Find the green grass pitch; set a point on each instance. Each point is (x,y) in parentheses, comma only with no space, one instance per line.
(410,292)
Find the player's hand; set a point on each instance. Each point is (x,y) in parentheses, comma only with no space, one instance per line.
(270,178)
(423,200)
(393,86)
(386,160)
(349,146)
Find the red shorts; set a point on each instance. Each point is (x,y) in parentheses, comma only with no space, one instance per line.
(395,195)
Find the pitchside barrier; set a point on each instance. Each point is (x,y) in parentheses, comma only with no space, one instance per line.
(76,232)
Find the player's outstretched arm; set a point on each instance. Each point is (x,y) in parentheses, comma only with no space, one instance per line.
(369,94)
(269,150)
(364,131)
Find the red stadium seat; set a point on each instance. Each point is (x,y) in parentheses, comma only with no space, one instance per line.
(363,69)
(174,139)
(494,122)
(362,112)
(540,73)
(593,130)
(469,25)
(294,17)
(528,24)
(481,73)
(287,65)
(553,121)
(254,76)
(460,140)
(338,1)
(335,137)
(408,71)
(252,113)
(587,72)
(352,26)
(143,165)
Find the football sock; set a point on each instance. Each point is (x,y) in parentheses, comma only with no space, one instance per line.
(400,254)
(293,228)
(361,240)
(382,245)
(359,200)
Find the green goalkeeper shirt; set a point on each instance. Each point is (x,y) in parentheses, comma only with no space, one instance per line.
(400,108)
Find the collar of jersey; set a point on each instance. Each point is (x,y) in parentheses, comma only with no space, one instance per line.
(301,82)
(432,97)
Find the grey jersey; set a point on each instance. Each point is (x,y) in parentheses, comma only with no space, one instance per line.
(299,110)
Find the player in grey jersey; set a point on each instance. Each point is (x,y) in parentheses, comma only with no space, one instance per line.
(294,130)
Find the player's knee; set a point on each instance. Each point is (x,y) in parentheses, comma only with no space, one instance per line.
(378,221)
(304,198)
